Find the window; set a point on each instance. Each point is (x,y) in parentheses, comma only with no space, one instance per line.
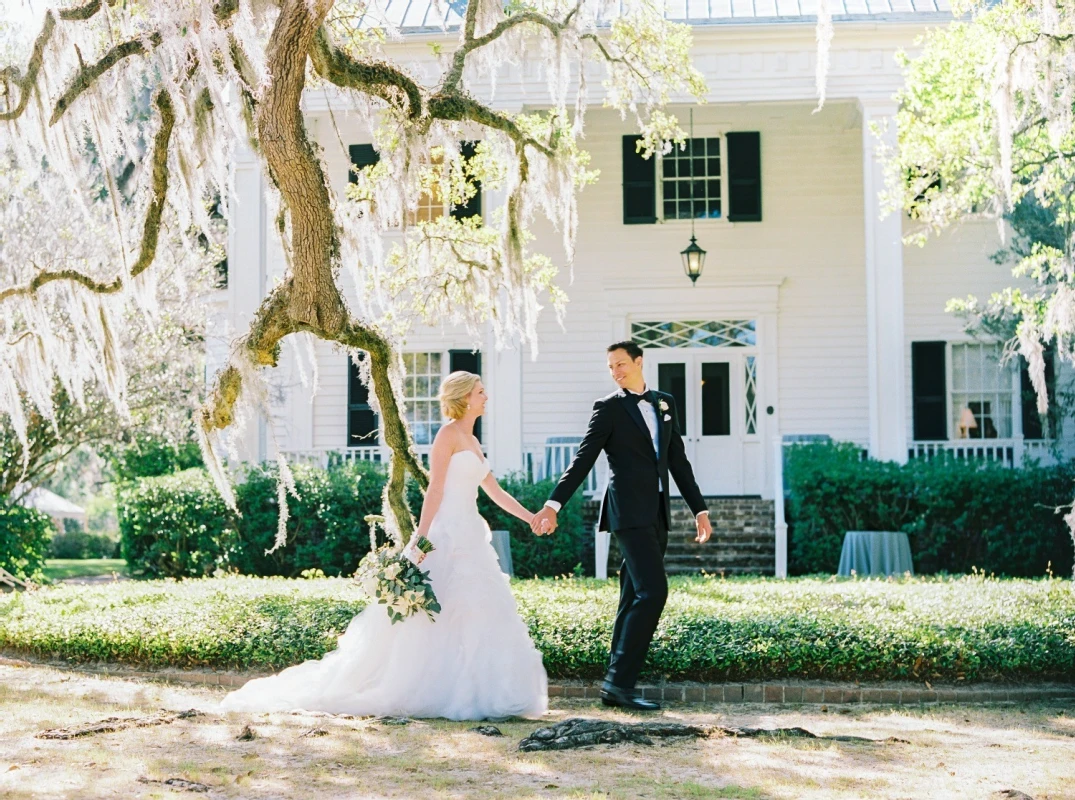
(691,180)
(694,182)
(432,205)
(711,333)
(361,420)
(981,406)
(423,374)
(979,399)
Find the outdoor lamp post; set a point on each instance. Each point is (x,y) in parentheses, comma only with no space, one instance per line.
(693,259)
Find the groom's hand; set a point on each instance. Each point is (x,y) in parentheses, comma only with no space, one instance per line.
(705,528)
(544,521)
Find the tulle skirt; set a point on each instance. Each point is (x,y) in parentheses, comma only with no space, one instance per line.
(474,661)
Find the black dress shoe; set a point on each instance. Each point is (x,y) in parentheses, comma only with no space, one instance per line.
(626,698)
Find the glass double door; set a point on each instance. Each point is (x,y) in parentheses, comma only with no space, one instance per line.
(709,390)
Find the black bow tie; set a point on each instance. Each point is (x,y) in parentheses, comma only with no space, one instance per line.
(649,396)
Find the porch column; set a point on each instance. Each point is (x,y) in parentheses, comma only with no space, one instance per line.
(504,378)
(246,273)
(884,293)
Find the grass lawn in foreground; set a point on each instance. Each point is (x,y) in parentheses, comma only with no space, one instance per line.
(957,629)
(955,751)
(57,569)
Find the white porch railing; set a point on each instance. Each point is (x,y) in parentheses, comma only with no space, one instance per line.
(331,456)
(1013,452)
(552,460)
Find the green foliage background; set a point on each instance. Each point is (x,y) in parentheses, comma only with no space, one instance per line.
(959,515)
(24,540)
(177,526)
(969,628)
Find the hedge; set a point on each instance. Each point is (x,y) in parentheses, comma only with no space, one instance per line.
(969,628)
(959,515)
(178,526)
(24,540)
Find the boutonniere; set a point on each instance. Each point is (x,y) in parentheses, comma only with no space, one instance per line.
(663,405)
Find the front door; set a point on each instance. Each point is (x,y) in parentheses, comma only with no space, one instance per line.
(708,388)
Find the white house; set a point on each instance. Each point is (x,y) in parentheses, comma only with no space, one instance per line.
(811,316)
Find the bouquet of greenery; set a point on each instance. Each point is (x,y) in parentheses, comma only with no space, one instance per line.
(388,576)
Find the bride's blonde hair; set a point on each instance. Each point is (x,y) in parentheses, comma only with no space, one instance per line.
(454,392)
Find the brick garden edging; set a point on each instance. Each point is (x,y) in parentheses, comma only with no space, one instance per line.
(770,692)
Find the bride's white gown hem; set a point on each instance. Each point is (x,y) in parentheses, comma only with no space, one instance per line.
(474,661)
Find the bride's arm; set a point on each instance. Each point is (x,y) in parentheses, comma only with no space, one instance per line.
(504,500)
(439,456)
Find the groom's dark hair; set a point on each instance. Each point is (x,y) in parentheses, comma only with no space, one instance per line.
(632,349)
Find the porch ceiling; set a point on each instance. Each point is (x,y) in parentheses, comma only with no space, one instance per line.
(438,16)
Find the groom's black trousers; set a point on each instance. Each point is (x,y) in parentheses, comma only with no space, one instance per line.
(643,592)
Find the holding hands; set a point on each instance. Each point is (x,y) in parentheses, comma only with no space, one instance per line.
(544,521)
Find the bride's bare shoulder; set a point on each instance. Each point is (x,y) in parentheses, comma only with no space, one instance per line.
(448,439)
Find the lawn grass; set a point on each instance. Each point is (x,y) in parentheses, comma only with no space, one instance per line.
(57,569)
(952,752)
(956,629)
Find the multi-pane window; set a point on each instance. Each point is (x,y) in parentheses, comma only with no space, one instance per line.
(420,387)
(691,180)
(432,204)
(981,393)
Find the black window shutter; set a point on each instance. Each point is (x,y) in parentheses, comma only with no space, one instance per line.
(473,207)
(361,421)
(744,177)
(1034,425)
(929,389)
(467,361)
(362,155)
(639,185)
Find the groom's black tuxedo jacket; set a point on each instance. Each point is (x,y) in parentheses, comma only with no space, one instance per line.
(632,498)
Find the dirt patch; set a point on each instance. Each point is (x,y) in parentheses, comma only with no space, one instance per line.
(971,752)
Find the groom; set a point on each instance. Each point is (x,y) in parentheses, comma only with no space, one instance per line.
(636,428)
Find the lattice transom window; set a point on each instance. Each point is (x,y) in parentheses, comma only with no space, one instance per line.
(750,394)
(690,180)
(420,388)
(981,393)
(714,333)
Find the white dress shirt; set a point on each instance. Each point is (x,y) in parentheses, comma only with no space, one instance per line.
(649,416)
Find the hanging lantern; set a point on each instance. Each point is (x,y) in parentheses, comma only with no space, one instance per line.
(693,259)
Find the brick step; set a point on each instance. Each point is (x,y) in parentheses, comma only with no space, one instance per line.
(708,551)
(714,564)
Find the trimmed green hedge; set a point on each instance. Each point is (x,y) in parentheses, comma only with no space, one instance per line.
(970,628)
(24,540)
(177,526)
(959,515)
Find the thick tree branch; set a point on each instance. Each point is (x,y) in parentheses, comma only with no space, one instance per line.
(27,82)
(374,77)
(150,228)
(90,73)
(460,107)
(296,169)
(472,43)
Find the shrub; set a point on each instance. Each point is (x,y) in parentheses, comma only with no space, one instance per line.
(539,556)
(74,542)
(151,456)
(959,515)
(24,540)
(326,528)
(176,526)
(964,629)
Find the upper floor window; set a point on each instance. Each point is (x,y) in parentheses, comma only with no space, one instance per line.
(691,179)
(715,177)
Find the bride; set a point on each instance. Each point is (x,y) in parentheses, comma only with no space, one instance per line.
(475,660)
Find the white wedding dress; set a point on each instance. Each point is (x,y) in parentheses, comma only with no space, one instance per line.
(474,661)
